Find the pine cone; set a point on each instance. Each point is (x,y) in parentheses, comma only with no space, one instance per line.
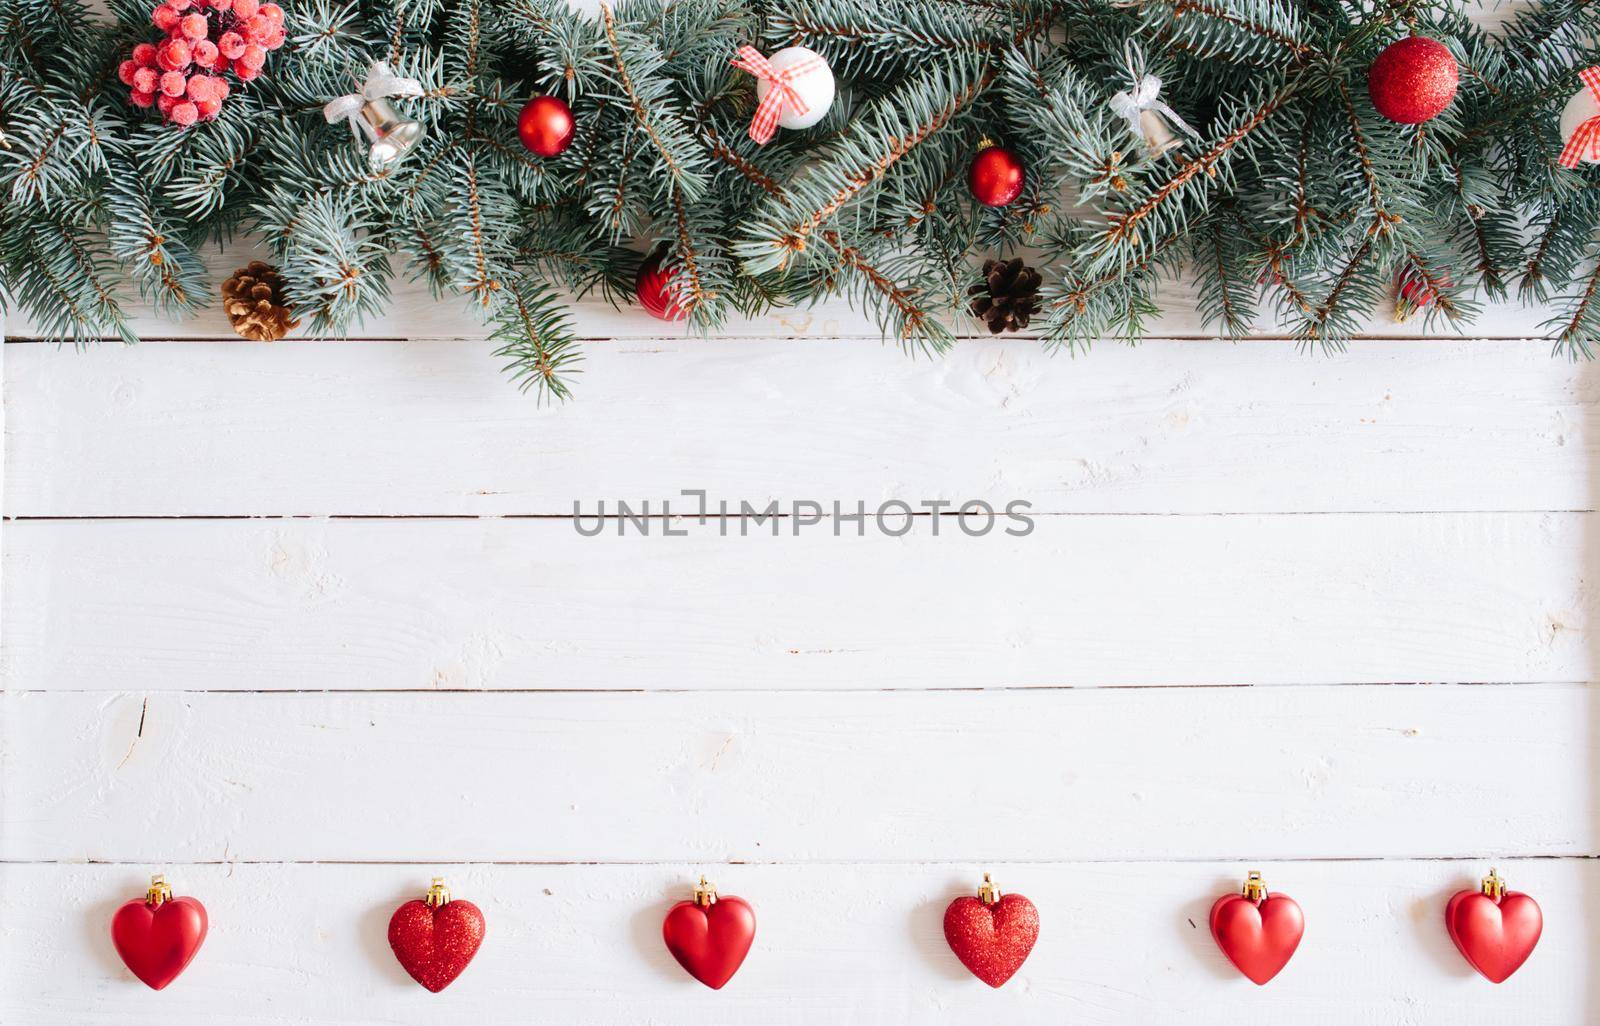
(253,299)
(1007,296)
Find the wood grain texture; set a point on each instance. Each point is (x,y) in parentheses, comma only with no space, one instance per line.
(529,603)
(1311,772)
(433,428)
(581,946)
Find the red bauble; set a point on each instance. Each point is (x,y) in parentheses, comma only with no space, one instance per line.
(992,934)
(653,286)
(435,938)
(1494,929)
(158,935)
(996,176)
(709,936)
(1413,80)
(545,125)
(1257,931)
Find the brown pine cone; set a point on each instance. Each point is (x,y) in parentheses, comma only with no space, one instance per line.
(1007,296)
(253,299)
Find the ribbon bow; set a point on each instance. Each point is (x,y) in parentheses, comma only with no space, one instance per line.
(1146,95)
(781,95)
(381,83)
(1584,143)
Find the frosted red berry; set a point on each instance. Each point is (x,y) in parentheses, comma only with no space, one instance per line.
(231,44)
(142,99)
(194,26)
(145,80)
(204,53)
(125,71)
(184,114)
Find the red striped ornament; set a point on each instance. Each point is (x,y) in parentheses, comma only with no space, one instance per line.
(794,89)
(1580,122)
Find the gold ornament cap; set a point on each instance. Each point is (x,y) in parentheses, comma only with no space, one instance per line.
(989,892)
(1493,885)
(158,891)
(705,893)
(1255,888)
(438,894)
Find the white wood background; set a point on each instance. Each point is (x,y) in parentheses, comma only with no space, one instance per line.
(304,624)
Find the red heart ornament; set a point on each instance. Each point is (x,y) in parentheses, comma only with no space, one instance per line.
(1494,929)
(710,936)
(158,936)
(1257,931)
(992,934)
(435,938)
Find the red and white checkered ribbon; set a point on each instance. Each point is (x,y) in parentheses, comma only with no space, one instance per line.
(781,95)
(1584,143)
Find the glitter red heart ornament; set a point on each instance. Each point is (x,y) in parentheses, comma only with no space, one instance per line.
(435,938)
(1494,929)
(157,936)
(709,935)
(993,933)
(1257,931)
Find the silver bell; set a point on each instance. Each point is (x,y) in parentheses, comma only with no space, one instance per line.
(392,136)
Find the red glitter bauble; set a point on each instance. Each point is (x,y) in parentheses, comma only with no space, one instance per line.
(1258,934)
(992,939)
(545,125)
(710,942)
(996,176)
(434,943)
(1413,80)
(158,940)
(653,286)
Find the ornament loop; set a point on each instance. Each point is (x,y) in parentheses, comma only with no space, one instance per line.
(438,894)
(1584,143)
(989,891)
(705,894)
(782,94)
(158,892)
(1255,888)
(1494,886)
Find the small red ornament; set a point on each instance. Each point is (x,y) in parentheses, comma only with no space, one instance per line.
(993,933)
(1413,80)
(1258,932)
(545,125)
(158,935)
(653,286)
(1494,929)
(435,938)
(709,935)
(996,175)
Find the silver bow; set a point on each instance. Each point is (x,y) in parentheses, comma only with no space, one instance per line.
(381,83)
(1146,95)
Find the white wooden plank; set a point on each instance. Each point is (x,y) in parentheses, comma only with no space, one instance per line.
(384,428)
(529,603)
(1076,774)
(580,945)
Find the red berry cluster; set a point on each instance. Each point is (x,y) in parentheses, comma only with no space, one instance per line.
(183,74)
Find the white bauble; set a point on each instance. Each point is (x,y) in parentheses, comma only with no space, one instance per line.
(815,86)
(1579,109)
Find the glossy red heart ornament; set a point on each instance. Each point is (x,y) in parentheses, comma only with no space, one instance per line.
(1259,935)
(434,943)
(1496,936)
(158,939)
(710,942)
(992,939)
